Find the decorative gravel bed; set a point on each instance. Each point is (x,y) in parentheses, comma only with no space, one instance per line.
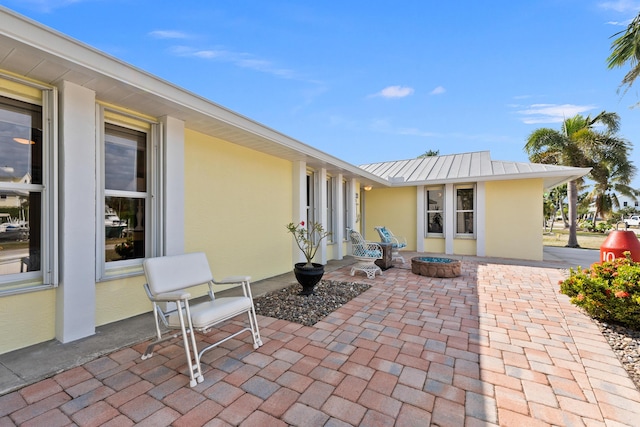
(626,345)
(327,297)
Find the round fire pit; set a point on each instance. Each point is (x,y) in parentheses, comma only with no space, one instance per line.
(435,267)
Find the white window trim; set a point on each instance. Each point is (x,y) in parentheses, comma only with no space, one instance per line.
(442,211)
(474,211)
(153,202)
(47,277)
(331,209)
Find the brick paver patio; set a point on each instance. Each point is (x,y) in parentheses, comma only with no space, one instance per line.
(496,346)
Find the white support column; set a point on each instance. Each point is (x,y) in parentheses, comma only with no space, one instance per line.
(420,218)
(299,203)
(481,208)
(353,202)
(322,213)
(450,218)
(173,203)
(352,212)
(76,295)
(339,225)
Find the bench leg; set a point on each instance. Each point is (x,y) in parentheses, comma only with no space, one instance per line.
(195,372)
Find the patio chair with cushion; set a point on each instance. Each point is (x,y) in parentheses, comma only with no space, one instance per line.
(169,279)
(366,253)
(397,243)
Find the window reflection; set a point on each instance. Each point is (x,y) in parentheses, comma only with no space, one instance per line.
(125,172)
(125,159)
(20,166)
(124,228)
(464,208)
(435,203)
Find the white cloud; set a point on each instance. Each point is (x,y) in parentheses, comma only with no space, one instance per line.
(243,60)
(619,24)
(621,5)
(438,91)
(395,92)
(551,113)
(168,34)
(522,96)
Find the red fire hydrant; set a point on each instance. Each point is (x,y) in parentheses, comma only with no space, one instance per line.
(617,243)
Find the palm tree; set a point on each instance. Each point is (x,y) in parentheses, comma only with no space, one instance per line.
(612,176)
(578,144)
(626,48)
(429,153)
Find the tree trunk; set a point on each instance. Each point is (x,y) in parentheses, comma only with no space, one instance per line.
(572,195)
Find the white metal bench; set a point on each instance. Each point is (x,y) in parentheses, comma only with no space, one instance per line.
(366,253)
(168,281)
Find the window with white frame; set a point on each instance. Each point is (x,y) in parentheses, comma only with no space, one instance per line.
(131,200)
(330,209)
(311,199)
(465,205)
(27,208)
(435,211)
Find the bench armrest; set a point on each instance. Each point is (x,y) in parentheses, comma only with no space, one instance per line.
(232,279)
(170,296)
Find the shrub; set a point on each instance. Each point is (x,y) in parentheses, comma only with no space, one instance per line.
(125,249)
(586,225)
(601,227)
(609,292)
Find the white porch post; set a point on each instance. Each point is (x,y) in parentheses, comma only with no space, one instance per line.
(450,220)
(76,295)
(299,203)
(173,200)
(420,218)
(480,219)
(339,225)
(352,212)
(322,212)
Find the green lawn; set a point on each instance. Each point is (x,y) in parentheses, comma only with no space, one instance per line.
(586,240)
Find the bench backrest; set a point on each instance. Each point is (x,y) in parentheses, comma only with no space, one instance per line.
(172,273)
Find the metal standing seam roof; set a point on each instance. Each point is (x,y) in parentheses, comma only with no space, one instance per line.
(469,167)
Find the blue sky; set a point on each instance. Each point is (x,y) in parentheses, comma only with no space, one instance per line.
(374,81)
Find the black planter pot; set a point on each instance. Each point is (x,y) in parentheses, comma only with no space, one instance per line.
(308,277)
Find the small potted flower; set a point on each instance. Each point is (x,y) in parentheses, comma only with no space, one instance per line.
(308,240)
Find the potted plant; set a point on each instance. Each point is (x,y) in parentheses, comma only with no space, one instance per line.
(308,240)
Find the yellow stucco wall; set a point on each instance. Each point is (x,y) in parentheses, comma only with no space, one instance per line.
(27,319)
(434,245)
(238,202)
(120,299)
(465,246)
(514,219)
(394,208)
